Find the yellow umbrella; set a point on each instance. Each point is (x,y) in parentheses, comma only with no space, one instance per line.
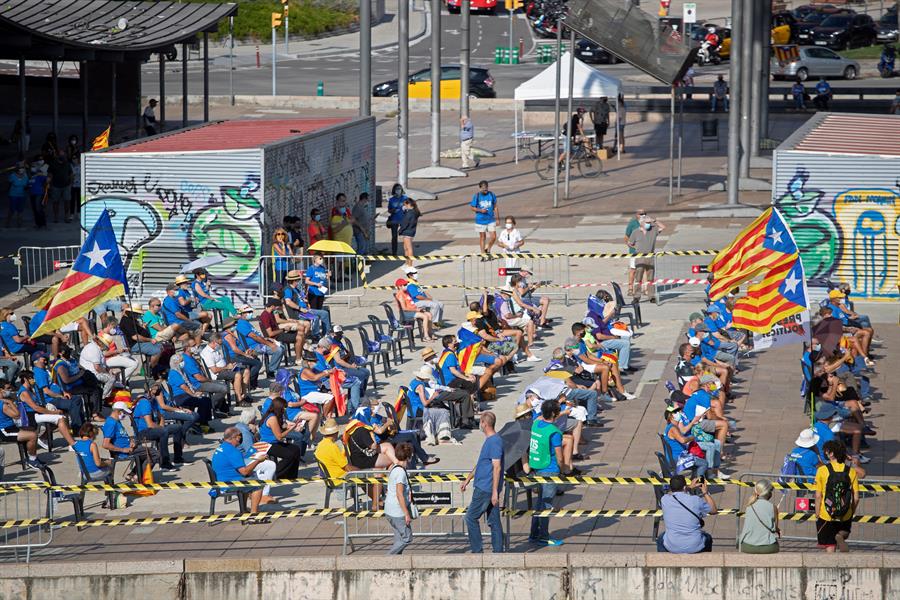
(333,246)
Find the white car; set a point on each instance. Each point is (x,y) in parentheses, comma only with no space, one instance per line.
(813,61)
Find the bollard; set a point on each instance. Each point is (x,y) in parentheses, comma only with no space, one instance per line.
(320,88)
(514,59)
(498,55)
(521,47)
(258,63)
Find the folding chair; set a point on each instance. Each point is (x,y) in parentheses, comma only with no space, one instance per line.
(227,494)
(369,363)
(76,498)
(109,479)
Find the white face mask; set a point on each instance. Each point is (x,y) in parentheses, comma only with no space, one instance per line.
(12,318)
(509,225)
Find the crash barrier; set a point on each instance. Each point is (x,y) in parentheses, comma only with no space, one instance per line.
(346,281)
(37,265)
(481,274)
(798,495)
(669,271)
(29,517)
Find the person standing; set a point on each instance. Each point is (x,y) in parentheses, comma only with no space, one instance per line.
(837,496)
(407,228)
(895,103)
(545,454)
(487,217)
(633,224)
(341,220)
(621,121)
(395,214)
(643,241)
(59,193)
(466,137)
(149,118)
(362,223)
(18,181)
(600,119)
(510,241)
(398,507)
(720,94)
(488,477)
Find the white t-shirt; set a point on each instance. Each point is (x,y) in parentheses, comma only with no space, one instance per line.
(508,239)
(91,355)
(213,358)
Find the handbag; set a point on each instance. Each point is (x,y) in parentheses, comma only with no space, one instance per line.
(702,522)
(695,449)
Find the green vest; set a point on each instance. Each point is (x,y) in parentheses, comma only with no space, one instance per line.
(539,457)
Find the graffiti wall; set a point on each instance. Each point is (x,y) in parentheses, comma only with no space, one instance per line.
(307,175)
(172,209)
(845,215)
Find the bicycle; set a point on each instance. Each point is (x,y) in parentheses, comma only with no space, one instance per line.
(583,157)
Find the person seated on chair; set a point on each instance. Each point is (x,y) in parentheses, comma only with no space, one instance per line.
(265,470)
(325,362)
(284,331)
(74,380)
(96,468)
(139,339)
(115,352)
(149,424)
(190,305)
(229,465)
(274,429)
(332,455)
(592,361)
(235,351)
(10,430)
(524,296)
(51,392)
(185,418)
(155,321)
(120,446)
(216,390)
(491,362)
(409,311)
(514,319)
(186,395)
(213,356)
(57,338)
(39,411)
(421,298)
(298,308)
(202,290)
(252,339)
(305,416)
(341,358)
(423,402)
(451,374)
(309,382)
(173,313)
(15,343)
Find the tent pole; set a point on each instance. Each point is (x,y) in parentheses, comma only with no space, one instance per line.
(569,107)
(516,121)
(556,114)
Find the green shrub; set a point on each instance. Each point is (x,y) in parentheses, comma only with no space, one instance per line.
(307,18)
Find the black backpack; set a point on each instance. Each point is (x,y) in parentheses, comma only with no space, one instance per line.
(838,493)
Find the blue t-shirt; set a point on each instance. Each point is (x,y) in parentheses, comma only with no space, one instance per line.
(321,362)
(175,381)
(838,313)
(296,296)
(144,408)
(226,460)
(114,431)
(83,448)
(699,398)
(712,325)
(484,469)
(415,402)
(305,386)
(17,185)
(395,208)
(186,295)
(807,460)
(244,328)
(36,321)
(316,274)
(7,331)
(35,397)
(676,448)
(5,421)
(265,432)
(485,201)
(450,361)
(192,369)
(42,381)
(823,88)
(414,290)
(825,435)
(683,533)
(555,442)
(69,367)
(197,286)
(170,306)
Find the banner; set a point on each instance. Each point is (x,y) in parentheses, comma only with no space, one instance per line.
(790,330)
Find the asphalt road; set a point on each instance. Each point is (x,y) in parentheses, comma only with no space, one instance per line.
(339,72)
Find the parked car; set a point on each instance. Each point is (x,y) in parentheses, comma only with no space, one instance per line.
(842,31)
(589,52)
(784,27)
(802,12)
(488,6)
(481,84)
(812,20)
(887,28)
(812,61)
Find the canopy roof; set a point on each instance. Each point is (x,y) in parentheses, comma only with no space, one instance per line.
(588,83)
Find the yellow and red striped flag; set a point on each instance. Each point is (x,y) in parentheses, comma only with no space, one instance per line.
(96,276)
(764,244)
(101,141)
(781,293)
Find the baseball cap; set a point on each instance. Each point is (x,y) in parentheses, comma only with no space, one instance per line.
(121,406)
(337,329)
(695,316)
(400,282)
(38,355)
(410,270)
(836,294)
(701,327)
(694,342)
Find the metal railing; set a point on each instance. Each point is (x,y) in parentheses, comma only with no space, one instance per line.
(794,501)
(478,275)
(41,267)
(21,505)
(345,281)
(440,494)
(678,268)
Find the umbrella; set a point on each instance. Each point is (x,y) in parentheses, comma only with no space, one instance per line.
(516,437)
(828,332)
(332,246)
(202,263)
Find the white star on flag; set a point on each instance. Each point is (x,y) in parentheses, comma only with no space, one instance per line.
(97,256)
(791,282)
(776,236)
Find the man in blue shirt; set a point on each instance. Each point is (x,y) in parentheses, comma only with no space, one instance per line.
(52,393)
(545,454)
(251,339)
(174,314)
(14,342)
(806,453)
(682,514)
(421,298)
(119,445)
(488,476)
(487,217)
(228,464)
(823,95)
(189,303)
(825,412)
(150,426)
(217,390)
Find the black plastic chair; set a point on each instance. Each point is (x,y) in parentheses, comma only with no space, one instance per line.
(664,465)
(413,422)
(26,356)
(376,350)
(399,324)
(76,498)
(370,364)
(621,306)
(394,342)
(658,492)
(227,494)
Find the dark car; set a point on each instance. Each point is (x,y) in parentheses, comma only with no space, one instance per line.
(589,52)
(839,32)
(802,12)
(887,28)
(481,84)
(813,19)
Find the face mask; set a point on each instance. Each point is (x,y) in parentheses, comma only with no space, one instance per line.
(317,218)
(12,318)
(509,225)
(122,416)
(677,416)
(337,336)
(195,350)
(817,348)
(648,226)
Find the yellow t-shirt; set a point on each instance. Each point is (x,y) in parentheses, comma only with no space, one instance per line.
(344,235)
(332,458)
(822,479)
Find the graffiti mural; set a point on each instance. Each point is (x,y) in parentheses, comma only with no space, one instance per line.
(166,215)
(849,234)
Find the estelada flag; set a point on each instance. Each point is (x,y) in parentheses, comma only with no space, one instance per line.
(763,245)
(335,380)
(469,348)
(101,141)
(96,276)
(782,293)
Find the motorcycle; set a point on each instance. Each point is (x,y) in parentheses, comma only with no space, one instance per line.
(886,64)
(708,54)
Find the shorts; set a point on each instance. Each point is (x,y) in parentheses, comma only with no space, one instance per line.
(16,204)
(565,424)
(601,128)
(485,359)
(187,326)
(708,425)
(522,321)
(827,530)
(489,228)
(54,419)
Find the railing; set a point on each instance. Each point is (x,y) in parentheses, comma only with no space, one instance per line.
(674,277)
(22,505)
(345,281)
(478,275)
(38,266)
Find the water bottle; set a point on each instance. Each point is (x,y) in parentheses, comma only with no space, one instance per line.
(670,386)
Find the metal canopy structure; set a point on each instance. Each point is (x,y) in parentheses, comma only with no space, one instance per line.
(76,29)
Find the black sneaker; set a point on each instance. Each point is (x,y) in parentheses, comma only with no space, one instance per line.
(167,466)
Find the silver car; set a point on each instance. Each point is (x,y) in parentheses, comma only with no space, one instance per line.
(814,61)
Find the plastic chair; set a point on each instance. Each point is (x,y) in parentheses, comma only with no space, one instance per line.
(228,494)
(109,479)
(658,492)
(395,342)
(413,422)
(634,307)
(369,363)
(76,498)
(664,465)
(377,350)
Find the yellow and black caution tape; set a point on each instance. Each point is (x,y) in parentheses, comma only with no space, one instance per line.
(527,255)
(415,478)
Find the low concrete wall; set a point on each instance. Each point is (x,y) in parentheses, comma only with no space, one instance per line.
(815,576)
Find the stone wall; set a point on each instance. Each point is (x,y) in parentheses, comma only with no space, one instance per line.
(815,576)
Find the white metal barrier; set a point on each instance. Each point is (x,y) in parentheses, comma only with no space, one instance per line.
(37,266)
(478,274)
(345,281)
(18,506)
(678,268)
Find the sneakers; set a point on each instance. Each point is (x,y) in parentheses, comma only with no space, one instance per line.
(533,358)
(869,362)
(33,463)
(548,542)
(42,444)
(629,396)
(723,475)
(864,460)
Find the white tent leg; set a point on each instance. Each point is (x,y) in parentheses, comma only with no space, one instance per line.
(516,120)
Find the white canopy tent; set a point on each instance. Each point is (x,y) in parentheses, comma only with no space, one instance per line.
(588,83)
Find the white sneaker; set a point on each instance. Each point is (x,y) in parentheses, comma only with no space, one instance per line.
(533,358)
(629,396)
(42,444)
(864,459)
(723,475)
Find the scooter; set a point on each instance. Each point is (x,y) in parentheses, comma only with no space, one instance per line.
(886,64)
(708,54)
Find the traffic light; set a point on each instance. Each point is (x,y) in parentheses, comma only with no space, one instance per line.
(276,20)
(285,6)
(700,269)
(512,5)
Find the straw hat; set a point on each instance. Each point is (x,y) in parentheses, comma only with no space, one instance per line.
(522,410)
(182,279)
(425,372)
(294,275)
(428,353)
(473,314)
(329,427)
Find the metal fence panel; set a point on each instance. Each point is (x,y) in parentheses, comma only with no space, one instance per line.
(478,275)
(791,501)
(438,494)
(345,282)
(41,267)
(26,504)
(678,267)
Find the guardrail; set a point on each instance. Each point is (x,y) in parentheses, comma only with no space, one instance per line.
(37,265)
(24,507)
(346,280)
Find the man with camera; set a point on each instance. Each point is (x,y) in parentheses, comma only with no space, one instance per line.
(683,514)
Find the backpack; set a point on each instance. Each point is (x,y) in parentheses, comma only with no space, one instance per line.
(790,469)
(838,494)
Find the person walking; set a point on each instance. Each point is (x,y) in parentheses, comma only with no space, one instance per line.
(149,118)
(545,455)
(487,217)
(466,137)
(488,477)
(760,532)
(407,228)
(398,506)
(837,496)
